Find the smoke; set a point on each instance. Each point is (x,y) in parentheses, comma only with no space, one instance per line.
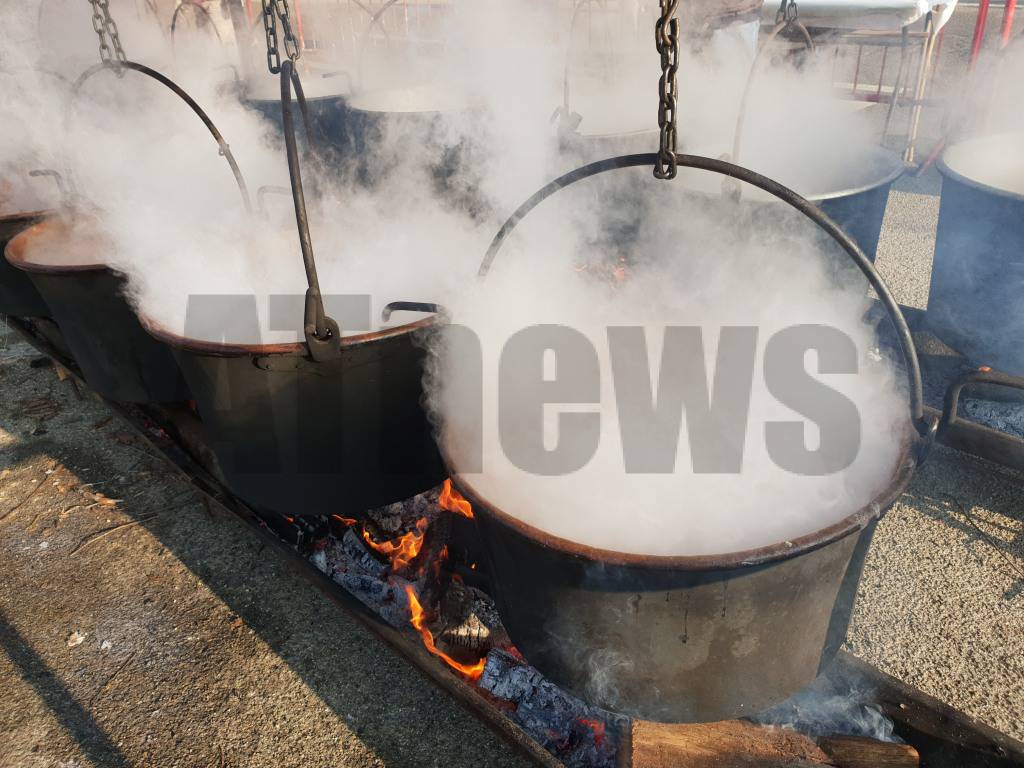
(406,207)
(691,261)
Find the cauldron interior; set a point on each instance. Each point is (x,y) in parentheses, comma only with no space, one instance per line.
(977,280)
(119,360)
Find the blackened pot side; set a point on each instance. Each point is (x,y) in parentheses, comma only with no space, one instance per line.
(18,296)
(118,359)
(315,438)
(679,639)
(976,301)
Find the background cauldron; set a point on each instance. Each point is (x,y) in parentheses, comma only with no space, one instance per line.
(976,302)
(689,638)
(301,437)
(18,296)
(332,425)
(119,360)
(857,203)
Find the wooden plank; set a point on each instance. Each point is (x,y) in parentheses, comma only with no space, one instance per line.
(727,744)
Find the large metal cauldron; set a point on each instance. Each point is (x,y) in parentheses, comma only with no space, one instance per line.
(329,129)
(860,208)
(976,303)
(689,638)
(315,438)
(857,204)
(18,296)
(678,639)
(332,425)
(119,360)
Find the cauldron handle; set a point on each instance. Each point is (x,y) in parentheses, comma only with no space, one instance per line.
(925,426)
(225,150)
(323,337)
(783,20)
(414,306)
(981,376)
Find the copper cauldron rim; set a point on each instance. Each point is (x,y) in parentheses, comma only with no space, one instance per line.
(14,252)
(8,218)
(852,523)
(233,349)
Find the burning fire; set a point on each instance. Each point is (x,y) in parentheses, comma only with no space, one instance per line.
(596,727)
(416,618)
(452,501)
(403,551)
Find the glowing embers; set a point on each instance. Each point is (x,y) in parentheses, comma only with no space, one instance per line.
(399,553)
(452,500)
(417,619)
(403,551)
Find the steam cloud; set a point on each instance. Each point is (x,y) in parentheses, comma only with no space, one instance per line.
(410,218)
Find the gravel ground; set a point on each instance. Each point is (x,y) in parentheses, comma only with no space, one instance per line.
(140,627)
(941,604)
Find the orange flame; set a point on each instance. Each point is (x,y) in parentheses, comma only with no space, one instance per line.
(344,520)
(596,726)
(404,551)
(452,500)
(416,618)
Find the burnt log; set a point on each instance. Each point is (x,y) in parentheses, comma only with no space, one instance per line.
(738,744)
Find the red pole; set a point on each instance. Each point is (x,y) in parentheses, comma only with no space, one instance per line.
(979,32)
(1007,29)
(302,38)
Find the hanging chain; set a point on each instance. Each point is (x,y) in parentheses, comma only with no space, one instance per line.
(787,12)
(106,29)
(274,11)
(666,39)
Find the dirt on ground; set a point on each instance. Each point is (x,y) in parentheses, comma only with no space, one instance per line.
(141,626)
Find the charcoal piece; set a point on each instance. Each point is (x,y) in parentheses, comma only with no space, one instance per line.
(422,506)
(333,557)
(319,559)
(471,620)
(390,519)
(508,678)
(357,554)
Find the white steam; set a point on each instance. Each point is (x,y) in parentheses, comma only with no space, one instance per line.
(411,217)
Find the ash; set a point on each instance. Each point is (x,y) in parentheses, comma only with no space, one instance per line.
(578,734)
(842,712)
(467,626)
(1005,416)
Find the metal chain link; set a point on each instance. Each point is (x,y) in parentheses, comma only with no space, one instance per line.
(787,12)
(274,11)
(106,30)
(666,40)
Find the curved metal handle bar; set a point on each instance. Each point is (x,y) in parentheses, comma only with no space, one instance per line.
(225,150)
(323,337)
(67,197)
(269,189)
(741,118)
(952,399)
(810,210)
(198,7)
(413,306)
